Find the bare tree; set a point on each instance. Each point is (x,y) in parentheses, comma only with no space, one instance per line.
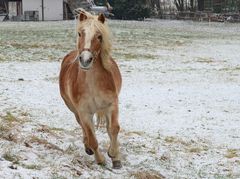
(191,5)
(154,6)
(179,4)
(152,3)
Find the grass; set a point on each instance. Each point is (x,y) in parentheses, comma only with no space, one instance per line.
(31,166)
(230,69)
(28,41)
(189,146)
(195,150)
(50,130)
(147,175)
(132,56)
(132,133)
(56,129)
(4,129)
(9,122)
(11,157)
(71,149)
(57,176)
(25,114)
(44,142)
(9,117)
(169,139)
(204,60)
(16,160)
(231,153)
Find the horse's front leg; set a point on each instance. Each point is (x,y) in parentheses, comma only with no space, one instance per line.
(90,138)
(87,149)
(113,129)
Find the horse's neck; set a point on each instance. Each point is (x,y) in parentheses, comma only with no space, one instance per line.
(96,72)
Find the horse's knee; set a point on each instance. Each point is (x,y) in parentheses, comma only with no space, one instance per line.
(115,129)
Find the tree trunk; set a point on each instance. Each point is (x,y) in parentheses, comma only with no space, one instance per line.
(179,4)
(191,5)
(200,5)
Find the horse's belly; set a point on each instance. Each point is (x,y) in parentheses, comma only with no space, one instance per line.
(95,103)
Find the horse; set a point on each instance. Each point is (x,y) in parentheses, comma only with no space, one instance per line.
(90,83)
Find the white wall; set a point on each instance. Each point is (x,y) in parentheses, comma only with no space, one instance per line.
(53,9)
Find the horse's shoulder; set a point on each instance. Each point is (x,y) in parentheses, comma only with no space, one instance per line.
(70,57)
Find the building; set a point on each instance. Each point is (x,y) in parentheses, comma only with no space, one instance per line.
(33,9)
(46,9)
(38,10)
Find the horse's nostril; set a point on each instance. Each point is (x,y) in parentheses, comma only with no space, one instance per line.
(80,58)
(90,59)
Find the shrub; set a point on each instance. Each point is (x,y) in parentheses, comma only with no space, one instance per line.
(131,9)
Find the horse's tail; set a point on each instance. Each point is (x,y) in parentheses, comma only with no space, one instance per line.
(101,119)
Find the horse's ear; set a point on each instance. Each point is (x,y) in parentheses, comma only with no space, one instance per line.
(82,17)
(101,18)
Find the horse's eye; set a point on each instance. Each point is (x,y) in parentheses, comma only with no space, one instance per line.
(100,38)
(79,34)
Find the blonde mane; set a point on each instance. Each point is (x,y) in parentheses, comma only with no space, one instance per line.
(96,25)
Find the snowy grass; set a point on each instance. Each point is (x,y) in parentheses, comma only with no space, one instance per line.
(179,105)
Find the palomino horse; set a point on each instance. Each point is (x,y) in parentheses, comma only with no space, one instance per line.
(90,83)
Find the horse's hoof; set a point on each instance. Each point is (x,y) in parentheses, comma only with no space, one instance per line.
(89,151)
(102,163)
(117,164)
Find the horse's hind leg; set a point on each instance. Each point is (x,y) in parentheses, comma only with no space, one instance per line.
(100,118)
(90,140)
(113,129)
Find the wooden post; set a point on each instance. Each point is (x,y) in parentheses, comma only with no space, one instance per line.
(42,10)
(66,11)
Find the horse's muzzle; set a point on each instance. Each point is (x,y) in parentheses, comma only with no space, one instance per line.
(85,59)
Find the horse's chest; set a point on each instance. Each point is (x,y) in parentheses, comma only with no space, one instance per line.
(96,94)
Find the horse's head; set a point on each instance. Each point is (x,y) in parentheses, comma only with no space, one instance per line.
(93,41)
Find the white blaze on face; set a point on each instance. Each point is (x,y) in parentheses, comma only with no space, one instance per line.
(86,57)
(89,34)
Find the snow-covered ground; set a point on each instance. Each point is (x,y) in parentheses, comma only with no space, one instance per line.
(179,105)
